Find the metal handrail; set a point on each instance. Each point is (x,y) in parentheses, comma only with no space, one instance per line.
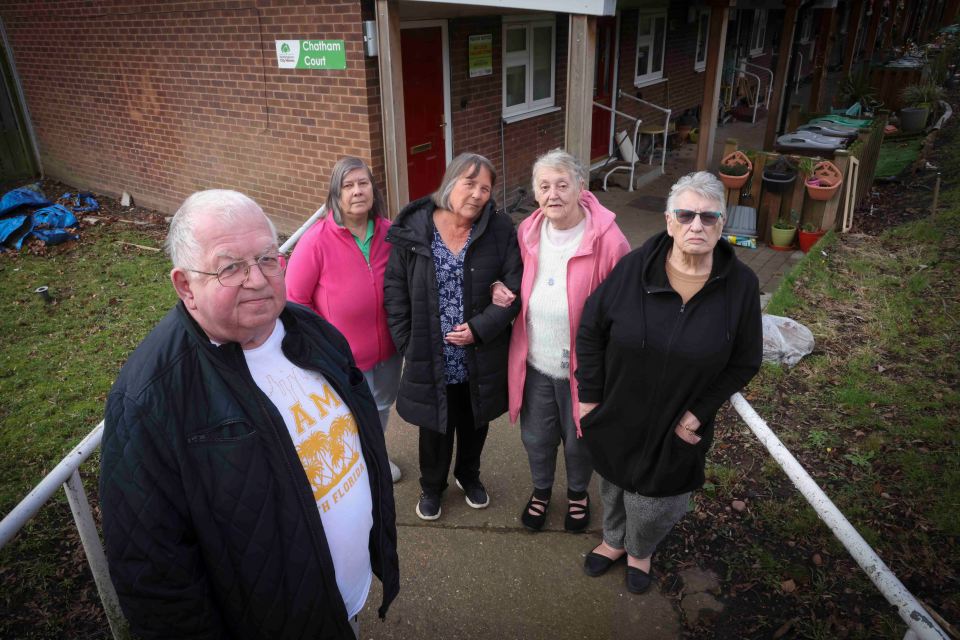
(769,83)
(67,475)
(666,125)
(796,85)
(633,162)
(756,97)
(918,620)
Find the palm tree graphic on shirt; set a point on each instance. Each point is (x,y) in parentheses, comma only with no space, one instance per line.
(327,457)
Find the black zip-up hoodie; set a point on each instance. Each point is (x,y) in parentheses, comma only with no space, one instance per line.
(210,524)
(646,358)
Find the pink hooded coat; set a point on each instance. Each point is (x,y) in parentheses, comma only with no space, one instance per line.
(328,273)
(602,246)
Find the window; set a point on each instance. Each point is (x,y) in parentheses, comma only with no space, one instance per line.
(529,54)
(651,39)
(703,33)
(758,32)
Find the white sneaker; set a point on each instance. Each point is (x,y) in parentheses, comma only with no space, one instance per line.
(395,471)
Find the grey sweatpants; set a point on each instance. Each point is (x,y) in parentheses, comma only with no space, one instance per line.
(546,419)
(638,523)
(384,382)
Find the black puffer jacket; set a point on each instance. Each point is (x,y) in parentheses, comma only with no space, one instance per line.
(647,358)
(413,313)
(211,527)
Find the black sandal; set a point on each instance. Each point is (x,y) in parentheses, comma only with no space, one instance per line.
(578,516)
(535,521)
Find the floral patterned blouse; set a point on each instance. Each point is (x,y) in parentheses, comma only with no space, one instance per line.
(449,269)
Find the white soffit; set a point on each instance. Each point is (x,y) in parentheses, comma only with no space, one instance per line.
(587,7)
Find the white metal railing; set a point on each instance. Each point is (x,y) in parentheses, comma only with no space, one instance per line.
(756,95)
(666,128)
(67,474)
(796,82)
(767,72)
(633,159)
(918,620)
(920,623)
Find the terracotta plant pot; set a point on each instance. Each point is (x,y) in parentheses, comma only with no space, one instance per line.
(809,238)
(825,181)
(783,238)
(733,159)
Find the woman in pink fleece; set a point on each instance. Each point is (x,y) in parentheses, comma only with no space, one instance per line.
(568,247)
(337,270)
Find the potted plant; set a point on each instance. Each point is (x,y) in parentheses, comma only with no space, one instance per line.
(856,90)
(823,179)
(735,169)
(810,234)
(919,100)
(779,175)
(783,231)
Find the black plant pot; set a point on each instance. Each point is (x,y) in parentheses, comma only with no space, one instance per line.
(778,176)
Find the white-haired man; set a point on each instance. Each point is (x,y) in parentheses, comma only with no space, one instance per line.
(244,481)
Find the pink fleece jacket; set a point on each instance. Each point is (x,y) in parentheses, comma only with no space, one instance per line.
(602,246)
(328,273)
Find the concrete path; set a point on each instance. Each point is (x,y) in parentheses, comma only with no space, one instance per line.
(478,574)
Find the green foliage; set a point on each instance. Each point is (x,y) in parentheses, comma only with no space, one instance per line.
(58,360)
(735,169)
(896,156)
(926,93)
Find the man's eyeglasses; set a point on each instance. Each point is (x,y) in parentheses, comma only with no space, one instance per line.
(236,273)
(707,218)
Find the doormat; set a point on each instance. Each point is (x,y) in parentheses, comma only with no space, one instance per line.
(649,203)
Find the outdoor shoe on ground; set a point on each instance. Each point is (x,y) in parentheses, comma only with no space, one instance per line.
(395,472)
(535,520)
(429,506)
(476,496)
(577,524)
(596,564)
(638,580)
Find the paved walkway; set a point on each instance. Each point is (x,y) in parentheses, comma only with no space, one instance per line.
(479,574)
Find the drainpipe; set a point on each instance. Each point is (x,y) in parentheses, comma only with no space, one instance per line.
(27,123)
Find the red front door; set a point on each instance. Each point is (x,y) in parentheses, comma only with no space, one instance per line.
(603,87)
(422,51)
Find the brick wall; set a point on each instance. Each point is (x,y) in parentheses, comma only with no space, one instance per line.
(477,109)
(683,85)
(163,98)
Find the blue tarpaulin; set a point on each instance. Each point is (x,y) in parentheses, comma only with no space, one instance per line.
(26,212)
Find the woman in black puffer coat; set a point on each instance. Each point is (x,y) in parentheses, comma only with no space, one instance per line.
(449,248)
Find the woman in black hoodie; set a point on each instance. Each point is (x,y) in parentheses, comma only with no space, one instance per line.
(671,333)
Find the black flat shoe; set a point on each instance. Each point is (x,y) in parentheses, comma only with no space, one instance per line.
(638,580)
(595,565)
(578,524)
(534,521)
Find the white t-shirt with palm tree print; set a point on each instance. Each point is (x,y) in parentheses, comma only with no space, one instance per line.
(325,436)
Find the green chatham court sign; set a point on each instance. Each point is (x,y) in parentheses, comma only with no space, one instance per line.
(311,54)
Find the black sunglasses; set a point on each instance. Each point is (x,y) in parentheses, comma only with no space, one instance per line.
(707,218)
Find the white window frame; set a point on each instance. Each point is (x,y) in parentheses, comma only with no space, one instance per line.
(758,32)
(703,39)
(525,59)
(649,77)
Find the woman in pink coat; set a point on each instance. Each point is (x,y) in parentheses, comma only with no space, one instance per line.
(568,247)
(337,270)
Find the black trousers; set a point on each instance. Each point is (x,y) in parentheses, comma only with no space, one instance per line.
(436,449)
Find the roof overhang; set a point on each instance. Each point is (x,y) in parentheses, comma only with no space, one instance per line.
(587,7)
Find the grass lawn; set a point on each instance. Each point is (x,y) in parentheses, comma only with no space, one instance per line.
(896,155)
(57,362)
(872,414)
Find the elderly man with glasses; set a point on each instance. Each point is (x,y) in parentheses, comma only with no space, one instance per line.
(244,483)
(671,333)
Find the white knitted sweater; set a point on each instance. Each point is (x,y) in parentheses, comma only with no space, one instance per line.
(548,315)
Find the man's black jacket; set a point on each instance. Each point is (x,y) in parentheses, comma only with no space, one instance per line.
(211,527)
